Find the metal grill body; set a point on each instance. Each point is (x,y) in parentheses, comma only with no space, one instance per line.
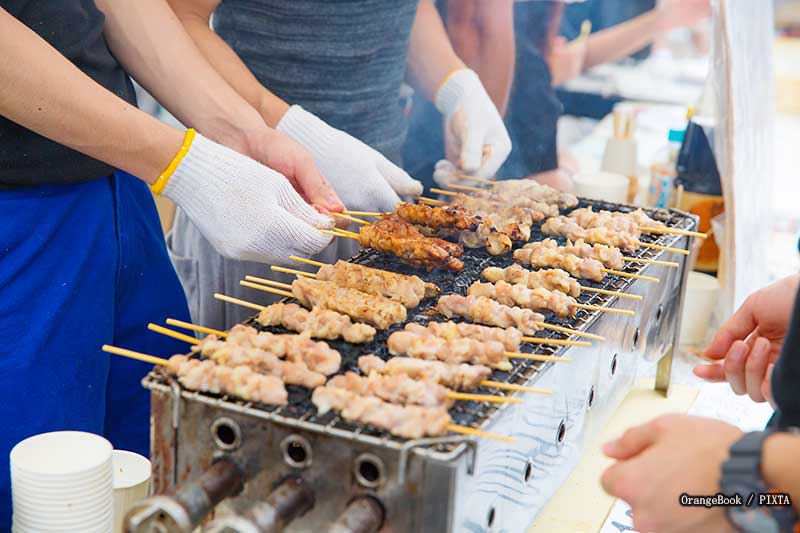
(453,483)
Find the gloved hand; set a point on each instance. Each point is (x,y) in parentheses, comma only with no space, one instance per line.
(476,139)
(246,210)
(363,178)
(444,174)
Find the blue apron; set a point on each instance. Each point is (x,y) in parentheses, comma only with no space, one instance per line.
(80,265)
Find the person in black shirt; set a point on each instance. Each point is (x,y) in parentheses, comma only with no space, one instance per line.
(82,256)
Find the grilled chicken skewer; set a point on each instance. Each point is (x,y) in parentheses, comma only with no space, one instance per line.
(374,310)
(403,389)
(436,218)
(553,279)
(570,228)
(207,376)
(511,220)
(408,290)
(407,421)
(511,338)
(318,323)
(533,190)
(539,299)
(615,220)
(393,235)
(491,313)
(460,376)
(455,351)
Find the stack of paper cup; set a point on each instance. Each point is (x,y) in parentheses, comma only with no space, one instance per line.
(61,482)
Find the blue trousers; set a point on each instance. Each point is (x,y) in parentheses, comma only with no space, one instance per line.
(80,266)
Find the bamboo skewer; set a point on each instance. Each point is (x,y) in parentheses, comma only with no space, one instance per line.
(665,248)
(306,261)
(605,309)
(466,396)
(558,342)
(536,357)
(135,355)
(292,271)
(266,289)
(237,301)
(627,275)
(512,387)
(562,329)
(194,327)
(431,201)
(347,235)
(464,430)
(350,218)
(673,231)
(672,264)
(465,188)
(363,213)
(611,293)
(174,334)
(447,193)
(268,282)
(474,178)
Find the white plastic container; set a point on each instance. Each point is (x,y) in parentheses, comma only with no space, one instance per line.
(702,291)
(131,483)
(606,186)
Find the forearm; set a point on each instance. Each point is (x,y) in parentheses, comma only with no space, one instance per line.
(149,41)
(781,472)
(482,35)
(42,91)
(622,40)
(195,17)
(430,55)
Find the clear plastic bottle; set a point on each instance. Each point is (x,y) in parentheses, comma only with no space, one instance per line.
(663,171)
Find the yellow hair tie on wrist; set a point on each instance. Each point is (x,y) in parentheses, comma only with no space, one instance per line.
(161,182)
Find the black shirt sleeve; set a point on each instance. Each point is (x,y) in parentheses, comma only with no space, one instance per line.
(786,375)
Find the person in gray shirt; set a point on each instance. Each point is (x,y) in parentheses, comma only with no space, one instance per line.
(329,75)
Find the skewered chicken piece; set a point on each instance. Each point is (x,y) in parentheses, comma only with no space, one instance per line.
(553,279)
(461,376)
(511,220)
(408,290)
(317,355)
(451,216)
(395,236)
(318,323)
(375,310)
(487,236)
(456,351)
(232,354)
(569,228)
(491,313)
(407,421)
(538,299)
(547,254)
(241,381)
(394,388)
(627,222)
(510,337)
(610,257)
(536,191)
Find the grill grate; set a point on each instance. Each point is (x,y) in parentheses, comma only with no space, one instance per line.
(301,412)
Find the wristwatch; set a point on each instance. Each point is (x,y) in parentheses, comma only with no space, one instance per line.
(741,474)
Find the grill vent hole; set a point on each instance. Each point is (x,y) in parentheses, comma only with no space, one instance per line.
(562,431)
(635,338)
(528,470)
(296,451)
(614,365)
(490,518)
(591,396)
(369,470)
(226,432)
(659,312)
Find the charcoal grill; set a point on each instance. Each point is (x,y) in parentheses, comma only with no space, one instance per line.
(222,459)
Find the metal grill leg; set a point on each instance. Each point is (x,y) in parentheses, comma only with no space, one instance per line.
(664,372)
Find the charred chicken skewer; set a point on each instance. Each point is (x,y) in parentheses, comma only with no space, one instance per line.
(531,190)
(207,376)
(408,290)
(436,218)
(553,279)
(539,299)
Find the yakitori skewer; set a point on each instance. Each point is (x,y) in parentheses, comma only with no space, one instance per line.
(345,216)
(363,213)
(513,387)
(569,227)
(473,178)
(673,231)
(194,327)
(174,334)
(431,201)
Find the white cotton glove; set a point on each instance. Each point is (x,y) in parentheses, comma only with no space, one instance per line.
(476,139)
(363,178)
(246,210)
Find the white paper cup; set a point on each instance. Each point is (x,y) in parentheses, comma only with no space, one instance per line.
(605,186)
(131,483)
(698,307)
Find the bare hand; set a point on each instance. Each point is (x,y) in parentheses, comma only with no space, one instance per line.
(566,59)
(279,152)
(660,460)
(750,341)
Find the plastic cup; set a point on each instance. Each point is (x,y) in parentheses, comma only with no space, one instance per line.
(131,483)
(606,186)
(698,306)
